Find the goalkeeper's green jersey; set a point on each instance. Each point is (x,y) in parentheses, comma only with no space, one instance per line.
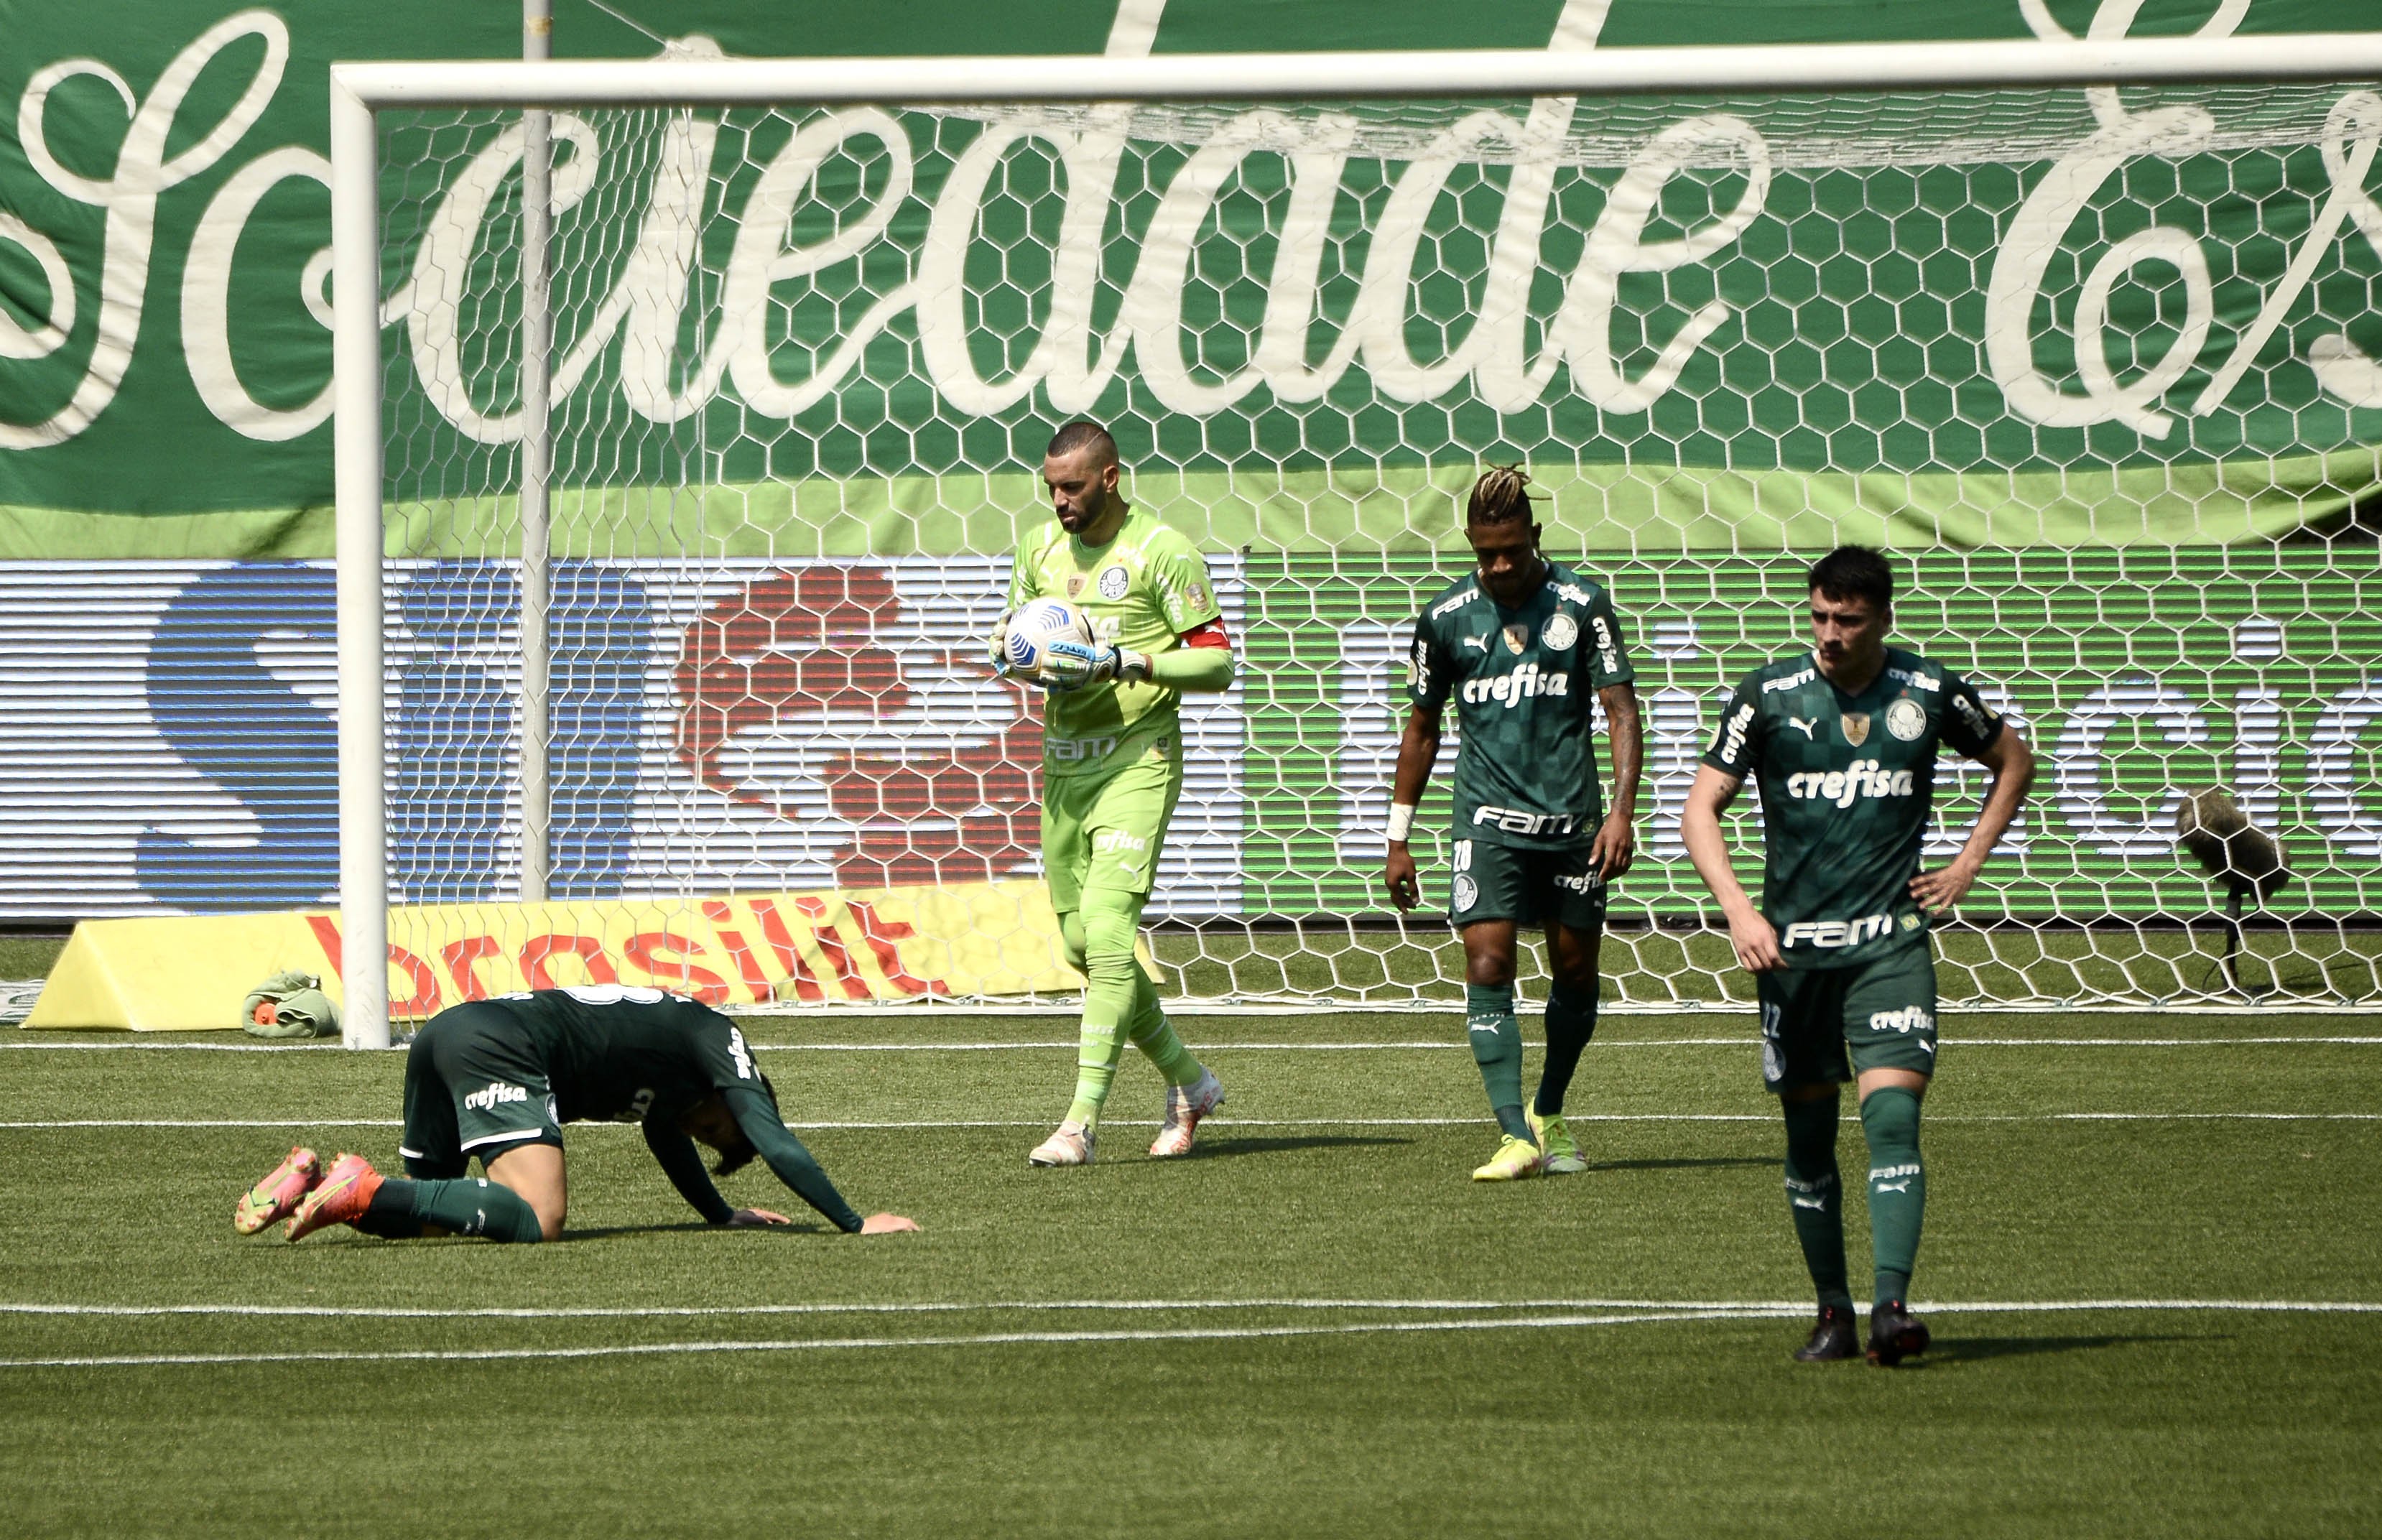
(1142,590)
(1523,682)
(1847,784)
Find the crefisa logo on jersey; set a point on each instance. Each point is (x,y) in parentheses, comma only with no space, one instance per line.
(1513,689)
(1864,777)
(495,1094)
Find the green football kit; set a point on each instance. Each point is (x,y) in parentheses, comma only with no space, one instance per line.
(1848,786)
(1111,774)
(1526,805)
(492,1075)
(1526,802)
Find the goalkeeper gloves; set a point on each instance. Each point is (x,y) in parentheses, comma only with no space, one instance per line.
(997,649)
(1071,665)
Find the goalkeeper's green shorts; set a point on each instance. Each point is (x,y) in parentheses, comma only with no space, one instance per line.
(1105,831)
(1882,1011)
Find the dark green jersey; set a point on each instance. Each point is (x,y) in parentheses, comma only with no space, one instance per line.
(626,1054)
(1847,782)
(620,1055)
(1523,682)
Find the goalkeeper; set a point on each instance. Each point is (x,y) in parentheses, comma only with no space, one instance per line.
(1523,645)
(498,1079)
(1112,763)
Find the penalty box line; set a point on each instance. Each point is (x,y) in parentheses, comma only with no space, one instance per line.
(1640,1316)
(900,1125)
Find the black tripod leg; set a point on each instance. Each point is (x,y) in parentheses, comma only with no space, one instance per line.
(2233,936)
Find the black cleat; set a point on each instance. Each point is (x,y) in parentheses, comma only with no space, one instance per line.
(1895,1334)
(1832,1337)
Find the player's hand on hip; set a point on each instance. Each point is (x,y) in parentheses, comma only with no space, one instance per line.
(1937,891)
(1398,877)
(887,1224)
(1756,944)
(1616,849)
(753,1218)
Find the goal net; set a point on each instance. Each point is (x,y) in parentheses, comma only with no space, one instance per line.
(2097,365)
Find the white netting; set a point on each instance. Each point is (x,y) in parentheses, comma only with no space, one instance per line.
(2099,366)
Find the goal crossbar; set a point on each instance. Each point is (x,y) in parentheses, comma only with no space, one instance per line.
(359,90)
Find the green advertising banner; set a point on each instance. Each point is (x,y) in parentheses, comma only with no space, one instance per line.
(2051,317)
(2137,676)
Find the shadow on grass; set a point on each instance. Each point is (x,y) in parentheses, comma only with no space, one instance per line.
(615,1232)
(1214,1149)
(1977,1350)
(1680,1165)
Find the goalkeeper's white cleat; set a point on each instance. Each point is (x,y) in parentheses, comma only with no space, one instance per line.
(1069,1146)
(1185,1104)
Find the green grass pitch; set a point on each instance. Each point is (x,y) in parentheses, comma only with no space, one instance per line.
(1315,1326)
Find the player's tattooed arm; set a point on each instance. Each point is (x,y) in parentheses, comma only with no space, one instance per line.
(2012,763)
(1616,842)
(1755,941)
(1417,751)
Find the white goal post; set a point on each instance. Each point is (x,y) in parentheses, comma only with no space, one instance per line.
(2070,462)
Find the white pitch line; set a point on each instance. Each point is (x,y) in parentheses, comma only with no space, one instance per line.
(940,1307)
(1745,1041)
(1639,1316)
(900,1125)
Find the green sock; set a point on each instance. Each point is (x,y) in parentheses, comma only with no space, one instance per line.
(471,1205)
(1816,1198)
(1154,1034)
(1571,1022)
(1110,972)
(1497,1046)
(1897,1187)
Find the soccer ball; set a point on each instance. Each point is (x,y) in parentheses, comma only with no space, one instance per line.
(1035,628)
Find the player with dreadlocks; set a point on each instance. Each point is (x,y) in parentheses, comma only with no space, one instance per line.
(1523,645)
(498,1079)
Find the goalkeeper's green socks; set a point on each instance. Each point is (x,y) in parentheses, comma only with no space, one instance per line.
(1154,1034)
(1497,1048)
(473,1205)
(1816,1196)
(1110,972)
(1571,1022)
(1898,1186)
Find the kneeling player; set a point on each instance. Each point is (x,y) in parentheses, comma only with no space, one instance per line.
(1843,741)
(1521,644)
(498,1079)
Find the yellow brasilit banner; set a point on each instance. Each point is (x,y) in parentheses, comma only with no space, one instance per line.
(190,973)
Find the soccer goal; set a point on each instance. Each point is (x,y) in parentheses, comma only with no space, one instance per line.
(689,412)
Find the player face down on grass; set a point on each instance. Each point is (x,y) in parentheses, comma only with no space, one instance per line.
(495,1080)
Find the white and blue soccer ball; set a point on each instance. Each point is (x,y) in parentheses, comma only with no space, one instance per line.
(1036,627)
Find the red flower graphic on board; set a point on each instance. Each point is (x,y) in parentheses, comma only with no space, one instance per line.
(795,684)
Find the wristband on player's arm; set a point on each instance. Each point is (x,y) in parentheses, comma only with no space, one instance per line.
(1402,816)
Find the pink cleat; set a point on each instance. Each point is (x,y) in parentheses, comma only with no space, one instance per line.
(341,1199)
(1185,1104)
(277,1197)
